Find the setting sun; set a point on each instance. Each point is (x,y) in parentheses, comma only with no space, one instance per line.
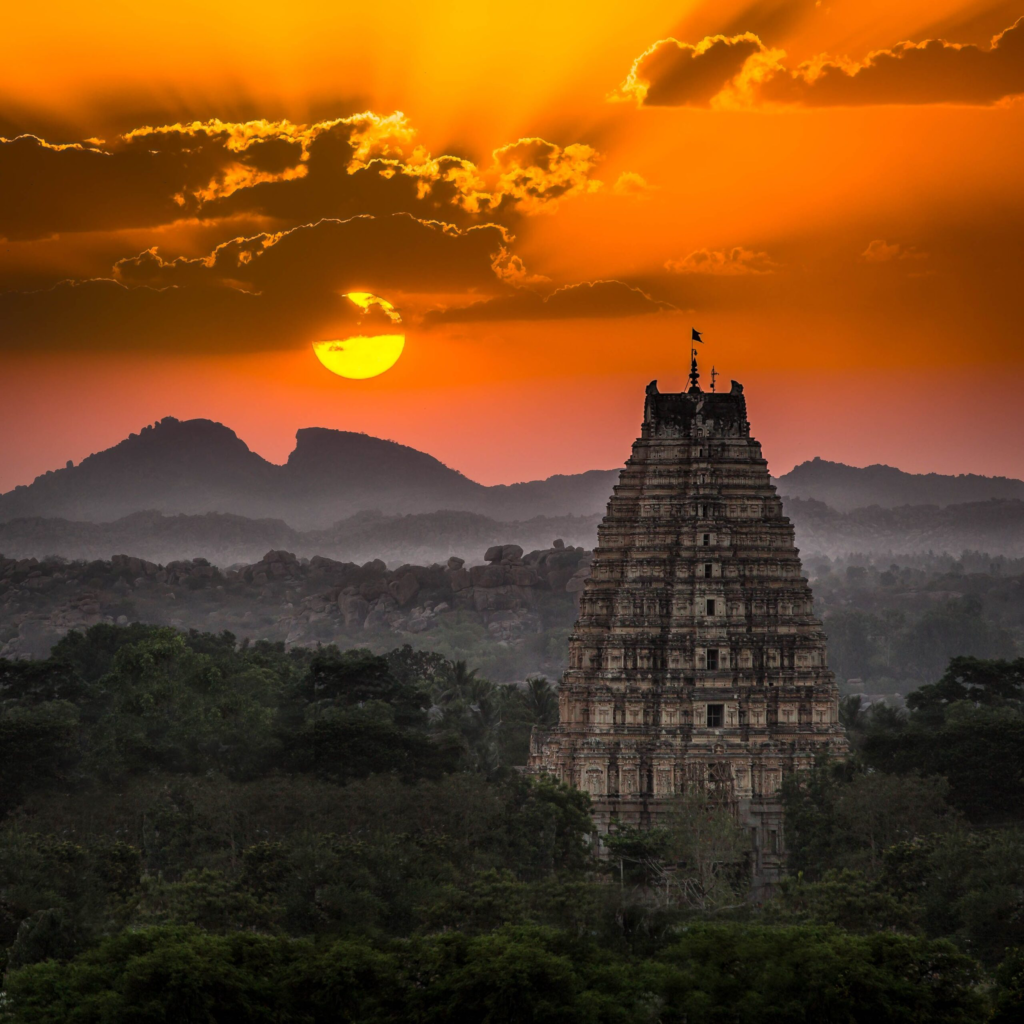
(360,357)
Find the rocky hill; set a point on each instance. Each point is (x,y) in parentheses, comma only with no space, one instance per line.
(845,488)
(513,610)
(194,467)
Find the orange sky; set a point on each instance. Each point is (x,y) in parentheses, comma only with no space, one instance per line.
(832,199)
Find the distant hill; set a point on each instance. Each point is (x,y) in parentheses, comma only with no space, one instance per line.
(193,467)
(848,487)
(226,539)
(995,527)
(193,488)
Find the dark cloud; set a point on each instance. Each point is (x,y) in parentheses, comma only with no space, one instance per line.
(362,253)
(83,187)
(263,292)
(295,173)
(675,74)
(911,73)
(741,71)
(590,299)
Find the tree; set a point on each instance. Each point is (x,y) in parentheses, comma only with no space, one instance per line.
(697,857)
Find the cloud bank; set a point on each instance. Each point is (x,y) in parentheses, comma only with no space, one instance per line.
(742,71)
(366,163)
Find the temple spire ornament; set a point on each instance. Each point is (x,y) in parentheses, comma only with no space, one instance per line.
(695,337)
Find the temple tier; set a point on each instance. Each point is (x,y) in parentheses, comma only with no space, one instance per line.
(696,662)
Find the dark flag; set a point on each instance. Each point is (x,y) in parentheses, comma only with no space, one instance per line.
(696,335)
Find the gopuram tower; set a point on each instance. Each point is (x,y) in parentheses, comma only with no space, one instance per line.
(696,662)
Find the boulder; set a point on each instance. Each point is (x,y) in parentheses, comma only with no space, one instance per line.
(511,553)
(558,578)
(460,580)
(493,554)
(487,575)
(377,618)
(523,576)
(372,589)
(404,589)
(455,563)
(354,610)
(558,545)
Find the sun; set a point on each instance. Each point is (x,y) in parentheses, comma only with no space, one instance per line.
(365,355)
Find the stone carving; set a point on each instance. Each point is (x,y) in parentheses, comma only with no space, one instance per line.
(695,631)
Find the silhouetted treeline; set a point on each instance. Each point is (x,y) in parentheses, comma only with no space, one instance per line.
(195,828)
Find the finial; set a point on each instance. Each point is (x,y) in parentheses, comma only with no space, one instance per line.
(694,372)
(714,374)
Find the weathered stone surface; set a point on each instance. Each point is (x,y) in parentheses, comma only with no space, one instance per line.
(456,563)
(488,575)
(371,589)
(354,609)
(696,662)
(493,554)
(460,580)
(523,576)
(404,588)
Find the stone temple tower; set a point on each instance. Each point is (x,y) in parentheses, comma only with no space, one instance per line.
(696,661)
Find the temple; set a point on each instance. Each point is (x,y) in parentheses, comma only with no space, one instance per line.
(696,662)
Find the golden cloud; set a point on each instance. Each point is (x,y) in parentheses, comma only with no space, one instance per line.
(741,71)
(365,163)
(671,73)
(266,291)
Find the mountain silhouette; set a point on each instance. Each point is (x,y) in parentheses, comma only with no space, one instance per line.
(194,467)
(845,488)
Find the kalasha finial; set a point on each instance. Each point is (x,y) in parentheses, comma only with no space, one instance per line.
(694,372)
(714,374)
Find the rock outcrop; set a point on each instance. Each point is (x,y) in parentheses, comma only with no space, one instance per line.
(283,597)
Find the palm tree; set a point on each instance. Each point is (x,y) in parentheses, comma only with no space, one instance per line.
(540,700)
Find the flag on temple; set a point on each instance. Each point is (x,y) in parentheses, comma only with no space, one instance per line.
(696,335)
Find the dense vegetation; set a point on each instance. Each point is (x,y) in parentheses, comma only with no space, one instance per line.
(895,622)
(200,830)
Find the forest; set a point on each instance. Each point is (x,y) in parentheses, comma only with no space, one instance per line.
(197,828)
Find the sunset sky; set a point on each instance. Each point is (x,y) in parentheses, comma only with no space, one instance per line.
(551,196)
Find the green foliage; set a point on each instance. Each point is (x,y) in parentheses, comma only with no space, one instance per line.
(697,860)
(196,829)
(841,817)
(953,629)
(762,975)
(968,728)
(710,974)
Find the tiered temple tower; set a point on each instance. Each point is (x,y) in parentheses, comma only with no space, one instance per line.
(696,661)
